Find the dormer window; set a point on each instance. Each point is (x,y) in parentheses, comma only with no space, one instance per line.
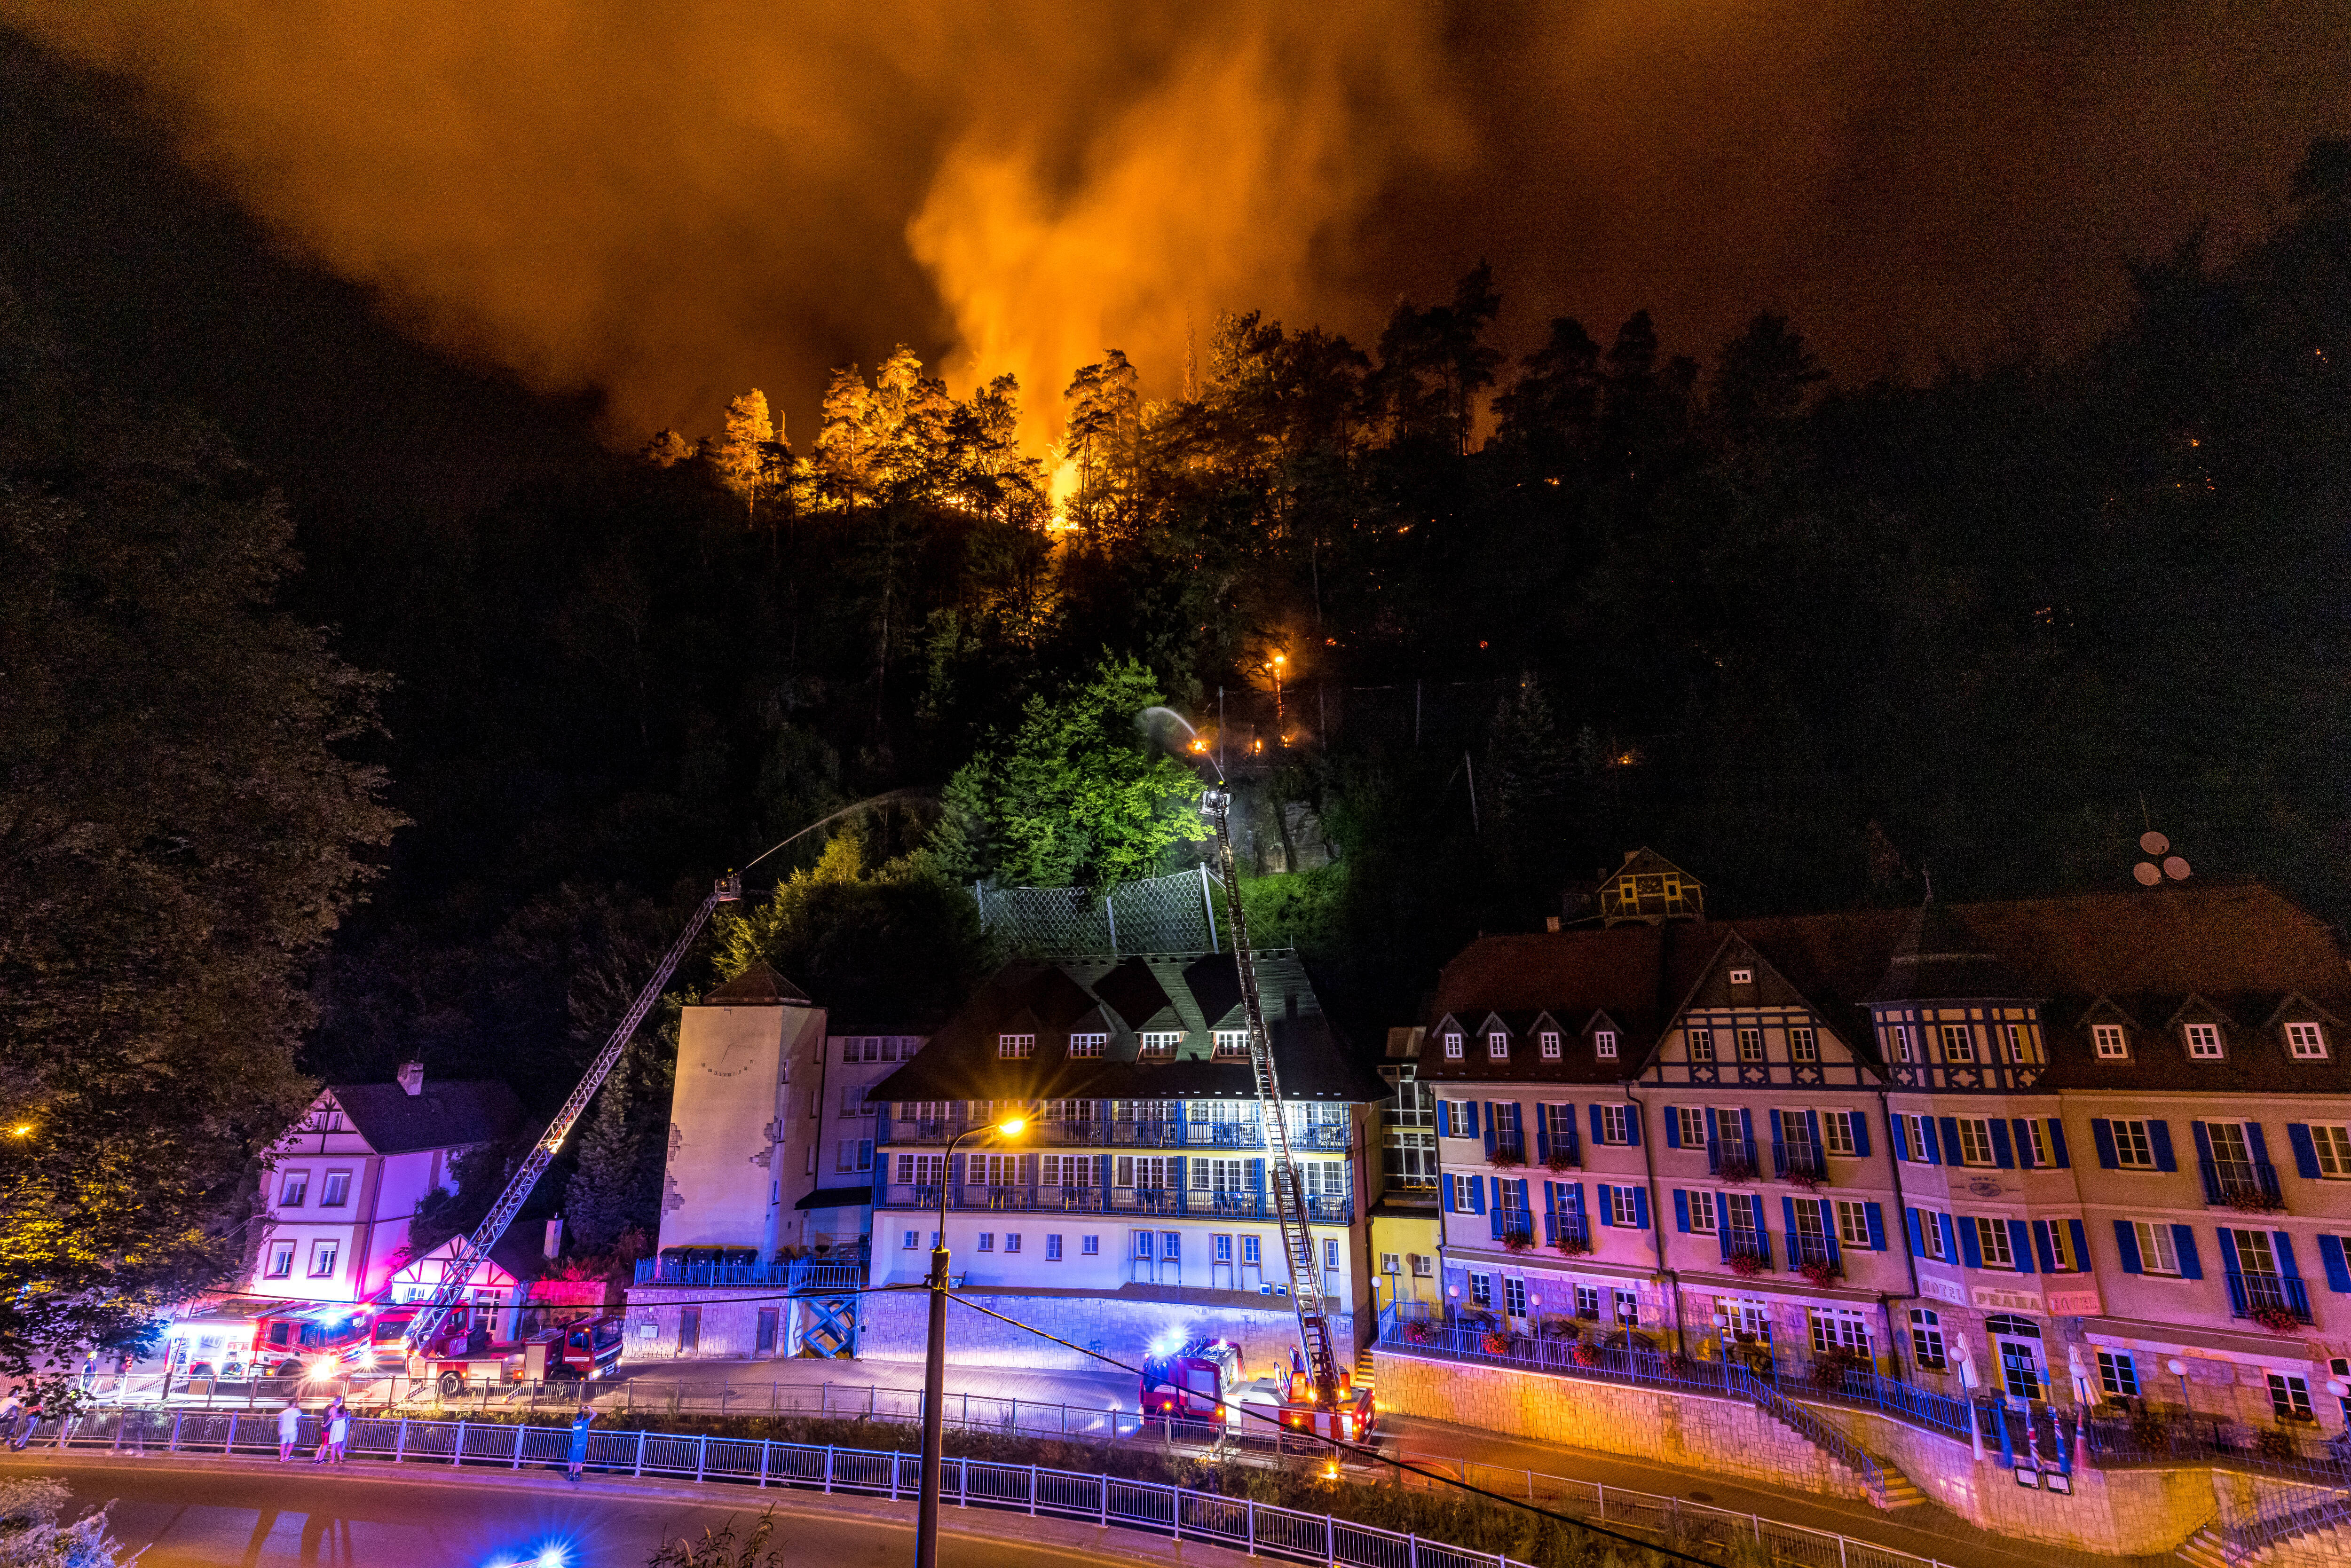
(1742,977)
(1088,1044)
(1158,1047)
(2204,1041)
(1016,1047)
(1898,1041)
(2304,1043)
(2106,1040)
(1232,1044)
(1452,1048)
(1549,1042)
(1498,1047)
(1958,1042)
(1603,1044)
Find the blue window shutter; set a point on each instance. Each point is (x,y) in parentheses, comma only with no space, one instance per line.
(1950,1140)
(1812,1123)
(1542,1133)
(2260,1145)
(2040,1246)
(2024,1141)
(2020,1244)
(2191,1267)
(2126,1240)
(2338,1271)
(1478,1193)
(1779,1133)
(1859,1121)
(1788,1209)
(1595,1122)
(1607,1208)
(2057,1142)
(2203,1140)
(1575,1199)
(2305,1152)
(1673,1127)
(2102,1133)
(1494,1216)
(1893,1127)
(1877,1227)
(2080,1246)
(2160,1132)
(1490,1127)
(1951,1237)
(1640,1208)
(1917,1236)
(1445,1118)
(1747,1130)
(1632,1126)
(1970,1249)
(1551,1198)
(1681,1211)
(2002,1155)
(1927,1136)
(2284,1245)
(1469,1107)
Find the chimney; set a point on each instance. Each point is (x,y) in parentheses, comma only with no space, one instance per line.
(412,1077)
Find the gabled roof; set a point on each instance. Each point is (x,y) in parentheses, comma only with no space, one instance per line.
(445,1114)
(756,986)
(1186,992)
(1940,959)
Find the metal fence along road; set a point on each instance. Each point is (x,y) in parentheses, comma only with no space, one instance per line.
(1151,1507)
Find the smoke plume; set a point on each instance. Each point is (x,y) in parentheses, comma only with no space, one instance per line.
(673,203)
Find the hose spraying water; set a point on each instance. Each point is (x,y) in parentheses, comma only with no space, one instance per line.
(1154,721)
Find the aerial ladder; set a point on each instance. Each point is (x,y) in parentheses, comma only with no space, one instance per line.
(458,1271)
(1329,1408)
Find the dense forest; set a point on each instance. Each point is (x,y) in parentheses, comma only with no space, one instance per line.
(1815,642)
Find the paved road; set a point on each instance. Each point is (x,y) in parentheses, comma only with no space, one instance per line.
(216,1515)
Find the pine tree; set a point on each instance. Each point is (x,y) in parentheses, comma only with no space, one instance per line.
(740,457)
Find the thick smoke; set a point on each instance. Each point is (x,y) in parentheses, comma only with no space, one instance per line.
(671,203)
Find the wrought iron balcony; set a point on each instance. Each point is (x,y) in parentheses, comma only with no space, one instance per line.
(1173,1202)
(1506,1149)
(1814,1252)
(1738,1242)
(2250,1187)
(2270,1300)
(1730,1159)
(1154,1133)
(1559,1151)
(1799,1162)
(1571,1233)
(1513,1227)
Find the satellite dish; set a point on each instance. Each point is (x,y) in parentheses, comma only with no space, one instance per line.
(2153,842)
(2147,874)
(2176,869)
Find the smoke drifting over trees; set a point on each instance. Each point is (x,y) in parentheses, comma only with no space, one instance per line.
(666,210)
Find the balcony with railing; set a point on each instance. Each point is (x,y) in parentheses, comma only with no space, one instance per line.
(2249,1186)
(841,1272)
(1799,1163)
(2273,1301)
(1513,1228)
(1813,1256)
(1506,1149)
(1559,1151)
(1160,1132)
(1569,1233)
(1730,1159)
(967,1197)
(1746,1251)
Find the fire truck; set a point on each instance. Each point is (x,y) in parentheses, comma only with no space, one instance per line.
(1201,1381)
(1193,1383)
(242,1337)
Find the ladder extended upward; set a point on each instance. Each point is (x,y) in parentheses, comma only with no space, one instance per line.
(1289,1184)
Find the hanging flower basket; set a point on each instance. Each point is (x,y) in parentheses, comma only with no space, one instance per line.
(1560,1160)
(1745,1265)
(1519,1241)
(1805,1181)
(1575,1246)
(1583,1354)
(1496,1344)
(1420,1334)
(1735,1170)
(1820,1271)
(1506,1159)
(2252,1200)
(2277,1319)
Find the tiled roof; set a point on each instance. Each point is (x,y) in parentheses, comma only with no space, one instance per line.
(446,1115)
(2240,947)
(1192,993)
(756,986)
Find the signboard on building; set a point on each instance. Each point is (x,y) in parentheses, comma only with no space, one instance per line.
(1991,1298)
(1950,1290)
(2074,1303)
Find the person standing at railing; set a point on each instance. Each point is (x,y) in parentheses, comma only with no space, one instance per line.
(289,1430)
(579,1460)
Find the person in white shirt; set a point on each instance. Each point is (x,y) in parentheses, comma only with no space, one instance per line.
(289,1430)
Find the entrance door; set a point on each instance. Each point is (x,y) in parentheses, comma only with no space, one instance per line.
(2018,1340)
(769,1318)
(689,1329)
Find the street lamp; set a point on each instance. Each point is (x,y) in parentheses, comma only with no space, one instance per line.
(934,1376)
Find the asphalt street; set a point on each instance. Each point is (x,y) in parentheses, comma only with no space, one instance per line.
(209,1514)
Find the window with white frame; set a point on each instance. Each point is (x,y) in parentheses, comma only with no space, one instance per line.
(1159,1043)
(1914,1132)
(1701,1045)
(1624,1206)
(2157,1254)
(1084,1045)
(853,1154)
(336,1191)
(281,1260)
(1930,1236)
(2290,1397)
(993,1170)
(1498,1046)
(322,1259)
(1452,1048)
(1803,1043)
(1836,1131)
(1603,1044)
(2333,1143)
(1219,1176)
(1927,1337)
(1751,1045)
(1514,1296)
(921,1170)
(1012,1241)
(2134,1146)
(1587,1302)
(1391,1263)
(907,1238)
(2064,1256)
(1958,1042)
(1991,1241)
(1460,1196)
(1628,1307)
(1690,1126)
(1701,1212)
(1853,1224)
(1897,1041)
(294,1189)
(1616,1125)
(1742,977)
(2107,1041)
(1090,1246)
(1231,1043)
(1975,1141)
(2302,1040)
(1839,1328)
(1423,1265)
(988,1241)
(1460,1116)
(1016,1047)
(1549,1042)
(1148,1172)
(1052,1247)
(1481,1289)
(1067,1170)
(2204,1041)
(2117,1374)
(2037,1142)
